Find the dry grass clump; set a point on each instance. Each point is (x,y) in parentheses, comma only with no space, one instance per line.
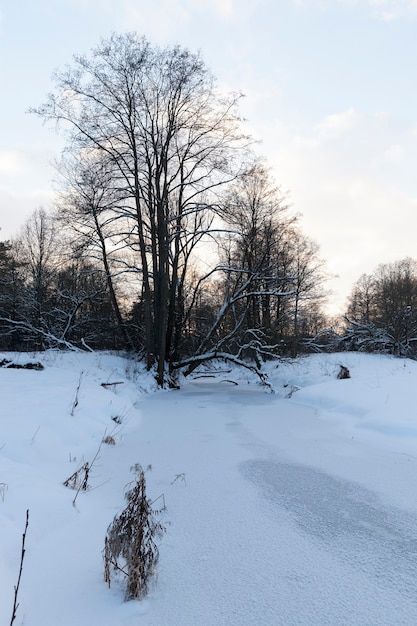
(130,545)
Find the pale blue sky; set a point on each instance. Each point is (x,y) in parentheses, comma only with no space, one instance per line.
(331,90)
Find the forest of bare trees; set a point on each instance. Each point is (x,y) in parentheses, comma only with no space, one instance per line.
(169,237)
(382,310)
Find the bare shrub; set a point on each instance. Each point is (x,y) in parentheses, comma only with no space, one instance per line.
(292,390)
(79,479)
(130,544)
(343,373)
(180,477)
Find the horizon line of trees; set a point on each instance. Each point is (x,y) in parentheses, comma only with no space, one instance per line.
(55,294)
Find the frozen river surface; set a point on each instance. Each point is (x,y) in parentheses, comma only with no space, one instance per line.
(258,536)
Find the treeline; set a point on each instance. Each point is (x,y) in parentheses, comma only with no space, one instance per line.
(259,294)
(170,237)
(382,311)
(50,297)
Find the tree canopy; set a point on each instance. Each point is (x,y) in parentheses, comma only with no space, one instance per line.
(173,228)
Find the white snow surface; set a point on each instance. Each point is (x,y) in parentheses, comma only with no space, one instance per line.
(293,508)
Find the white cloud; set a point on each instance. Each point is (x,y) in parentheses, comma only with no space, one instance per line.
(386,10)
(381,116)
(225,8)
(337,124)
(10,162)
(25,184)
(15,208)
(387,17)
(389,10)
(157,18)
(394,154)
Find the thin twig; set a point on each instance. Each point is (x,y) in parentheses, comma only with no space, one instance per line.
(22,556)
(75,401)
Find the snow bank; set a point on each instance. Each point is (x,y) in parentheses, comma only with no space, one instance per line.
(295,508)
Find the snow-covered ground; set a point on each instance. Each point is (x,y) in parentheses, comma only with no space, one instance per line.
(297,508)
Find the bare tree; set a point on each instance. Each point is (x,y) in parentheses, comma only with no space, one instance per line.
(258,211)
(38,246)
(248,278)
(172,141)
(382,310)
(279,265)
(308,277)
(362,300)
(88,210)
(81,311)
(13,285)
